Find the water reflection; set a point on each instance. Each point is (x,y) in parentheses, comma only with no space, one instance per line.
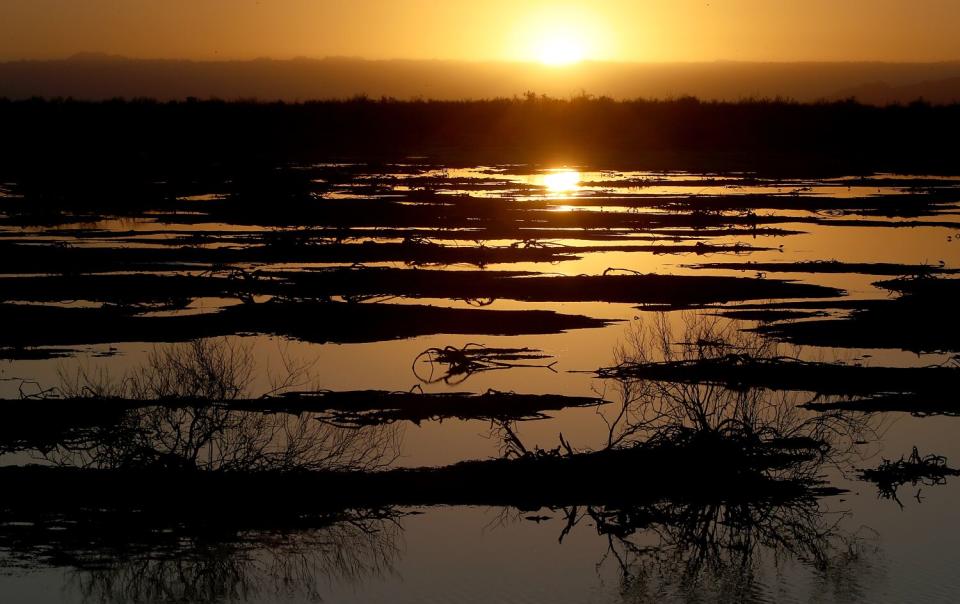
(697,551)
(561,181)
(728,551)
(113,557)
(713,546)
(322,262)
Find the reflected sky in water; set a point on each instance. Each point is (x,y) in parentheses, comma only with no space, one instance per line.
(467,554)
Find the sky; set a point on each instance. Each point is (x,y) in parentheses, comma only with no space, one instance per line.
(559,32)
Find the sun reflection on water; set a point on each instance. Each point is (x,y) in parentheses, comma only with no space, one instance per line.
(561,181)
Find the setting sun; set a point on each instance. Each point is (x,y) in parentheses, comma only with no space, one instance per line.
(560,36)
(560,50)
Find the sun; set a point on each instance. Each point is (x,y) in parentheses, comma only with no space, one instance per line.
(559,34)
(560,49)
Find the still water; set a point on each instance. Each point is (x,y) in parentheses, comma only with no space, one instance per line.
(422,224)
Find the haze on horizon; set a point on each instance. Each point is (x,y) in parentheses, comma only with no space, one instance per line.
(493,30)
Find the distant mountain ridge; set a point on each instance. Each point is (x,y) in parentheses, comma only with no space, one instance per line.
(101,76)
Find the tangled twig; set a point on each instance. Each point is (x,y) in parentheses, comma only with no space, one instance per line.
(926,470)
(461,363)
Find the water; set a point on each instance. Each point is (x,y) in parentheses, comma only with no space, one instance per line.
(850,546)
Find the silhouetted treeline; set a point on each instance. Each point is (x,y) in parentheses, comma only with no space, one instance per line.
(119,142)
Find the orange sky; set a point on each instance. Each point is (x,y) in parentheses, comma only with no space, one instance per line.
(513,30)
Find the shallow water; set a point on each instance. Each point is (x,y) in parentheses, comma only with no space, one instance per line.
(877,551)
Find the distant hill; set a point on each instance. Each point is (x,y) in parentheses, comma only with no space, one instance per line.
(96,76)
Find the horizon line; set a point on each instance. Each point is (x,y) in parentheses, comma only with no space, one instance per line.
(93,56)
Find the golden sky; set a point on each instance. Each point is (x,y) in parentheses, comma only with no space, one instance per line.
(512,30)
